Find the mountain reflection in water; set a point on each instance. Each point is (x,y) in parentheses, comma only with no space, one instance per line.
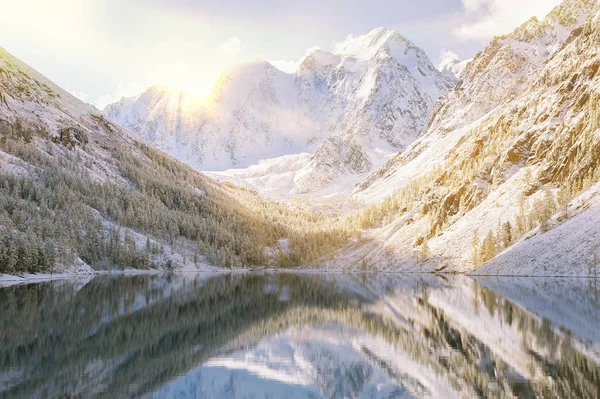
(262,335)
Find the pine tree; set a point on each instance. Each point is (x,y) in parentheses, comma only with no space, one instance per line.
(545,209)
(520,219)
(475,248)
(425,250)
(488,247)
(507,235)
(363,264)
(529,178)
(148,247)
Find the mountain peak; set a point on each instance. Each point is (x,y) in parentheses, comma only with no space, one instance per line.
(255,111)
(381,31)
(570,12)
(243,74)
(383,35)
(318,59)
(368,45)
(156,93)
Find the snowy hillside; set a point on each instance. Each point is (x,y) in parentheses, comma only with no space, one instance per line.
(371,99)
(79,192)
(575,245)
(503,156)
(495,77)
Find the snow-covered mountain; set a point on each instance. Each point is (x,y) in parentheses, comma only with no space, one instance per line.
(374,96)
(159,110)
(506,167)
(508,154)
(78,189)
(452,65)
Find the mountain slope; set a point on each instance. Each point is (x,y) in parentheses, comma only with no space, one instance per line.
(503,156)
(78,189)
(158,110)
(376,94)
(494,77)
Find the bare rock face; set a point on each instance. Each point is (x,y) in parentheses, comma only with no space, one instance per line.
(509,68)
(503,70)
(336,156)
(336,152)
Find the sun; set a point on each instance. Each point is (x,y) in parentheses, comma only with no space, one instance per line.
(179,77)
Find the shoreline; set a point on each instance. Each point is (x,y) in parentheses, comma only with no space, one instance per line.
(8,280)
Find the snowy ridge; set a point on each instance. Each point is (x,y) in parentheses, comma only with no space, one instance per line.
(502,134)
(57,106)
(160,110)
(48,134)
(494,77)
(376,94)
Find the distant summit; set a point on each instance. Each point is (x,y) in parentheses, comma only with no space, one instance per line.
(374,96)
(451,65)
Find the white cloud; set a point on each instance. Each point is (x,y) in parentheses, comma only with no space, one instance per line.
(473,5)
(485,19)
(447,57)
(128,89)
(231,47)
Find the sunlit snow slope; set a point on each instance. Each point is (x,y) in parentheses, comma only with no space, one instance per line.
(507,164)
(352,110)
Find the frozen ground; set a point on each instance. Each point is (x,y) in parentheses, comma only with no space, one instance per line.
(571,248)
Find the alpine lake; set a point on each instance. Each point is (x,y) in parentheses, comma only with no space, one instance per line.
(300,335)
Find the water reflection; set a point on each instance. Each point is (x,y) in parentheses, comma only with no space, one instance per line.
(300,336)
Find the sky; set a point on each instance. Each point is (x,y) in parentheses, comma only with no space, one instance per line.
(102,50)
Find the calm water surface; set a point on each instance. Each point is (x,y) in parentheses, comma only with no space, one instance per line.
(300,336)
